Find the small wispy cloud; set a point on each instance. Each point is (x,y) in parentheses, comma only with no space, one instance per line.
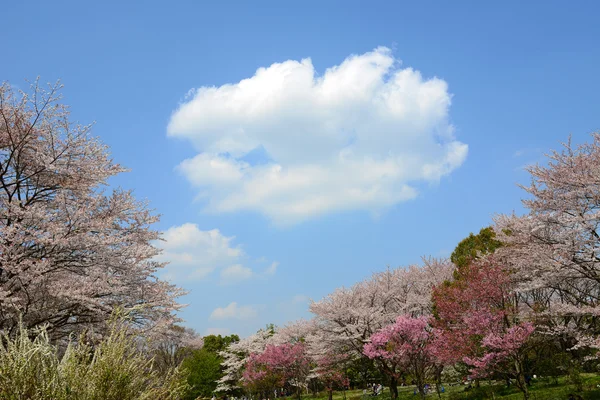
(234,311)
(271,269)
(235,273)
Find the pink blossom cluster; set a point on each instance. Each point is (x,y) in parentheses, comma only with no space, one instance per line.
(330,374)
(277,365)
(499,348)
(408,338)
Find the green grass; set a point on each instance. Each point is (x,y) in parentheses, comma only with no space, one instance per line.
(539,390)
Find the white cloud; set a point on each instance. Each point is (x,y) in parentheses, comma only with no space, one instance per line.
(271,269)
(194,254)
(233,311)
(235,273)
(359,137)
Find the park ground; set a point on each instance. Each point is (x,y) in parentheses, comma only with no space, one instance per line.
(540,389)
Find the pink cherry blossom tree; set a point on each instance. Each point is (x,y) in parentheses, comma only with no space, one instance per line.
(329,370)
(236,356)
(479,322)
(276,367)
(70,251)
(410,343)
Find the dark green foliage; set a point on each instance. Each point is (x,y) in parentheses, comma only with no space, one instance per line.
(546,359)
(361,372)
(467,250)
(217,343)
(575,377)
(472,246)
(203,369)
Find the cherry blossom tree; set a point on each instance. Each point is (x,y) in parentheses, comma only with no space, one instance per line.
(70,250)
(412,344)
(293,332)
(500,347)
(479,321)
(276,367)
(171,346)
(329,370)
(554,248)
(347,318)
(236,356)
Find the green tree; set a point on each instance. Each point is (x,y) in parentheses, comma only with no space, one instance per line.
(270,328)
(203,369)
(217,343)
(203,366)
(472,246)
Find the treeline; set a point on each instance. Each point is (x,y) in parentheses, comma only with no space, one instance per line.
(517,300)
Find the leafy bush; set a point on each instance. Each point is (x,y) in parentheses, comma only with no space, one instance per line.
(31,368)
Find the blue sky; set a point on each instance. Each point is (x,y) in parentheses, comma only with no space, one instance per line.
(307,177)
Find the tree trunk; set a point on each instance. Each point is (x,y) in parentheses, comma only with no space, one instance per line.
(420,386)
(438,380)
(329,394)
(523,387)
(521,384)
(394,388)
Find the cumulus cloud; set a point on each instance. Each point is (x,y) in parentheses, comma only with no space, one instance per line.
(233,311)
(193,253)
(291,144)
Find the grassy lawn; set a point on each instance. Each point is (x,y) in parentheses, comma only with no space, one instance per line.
(539,390)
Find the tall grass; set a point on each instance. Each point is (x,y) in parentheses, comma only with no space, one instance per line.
(32,368)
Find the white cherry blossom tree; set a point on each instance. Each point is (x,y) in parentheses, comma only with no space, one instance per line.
(71,250)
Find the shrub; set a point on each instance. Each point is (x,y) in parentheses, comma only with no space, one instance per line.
(31,368)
